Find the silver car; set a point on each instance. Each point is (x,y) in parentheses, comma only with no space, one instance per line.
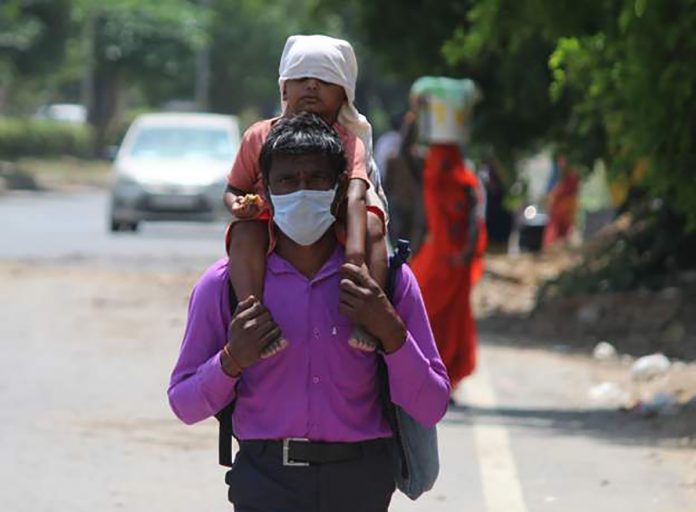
(172,167)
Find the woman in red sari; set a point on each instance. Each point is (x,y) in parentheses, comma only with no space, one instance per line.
(450,262)
(563,203)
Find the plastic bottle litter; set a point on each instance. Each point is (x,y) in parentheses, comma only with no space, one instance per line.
(662,403)
(604,351)
(609,394)
(648,367)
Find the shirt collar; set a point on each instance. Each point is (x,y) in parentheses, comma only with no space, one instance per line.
(278,265)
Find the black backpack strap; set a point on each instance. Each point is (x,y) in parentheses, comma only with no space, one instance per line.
(224,416)
(400,256)
(225,434)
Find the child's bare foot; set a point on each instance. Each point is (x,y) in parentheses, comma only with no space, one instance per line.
(360,339)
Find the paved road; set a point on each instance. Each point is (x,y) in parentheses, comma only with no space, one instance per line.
(91,325)
(73,227)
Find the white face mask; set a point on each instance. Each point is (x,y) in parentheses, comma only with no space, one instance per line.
(305,215)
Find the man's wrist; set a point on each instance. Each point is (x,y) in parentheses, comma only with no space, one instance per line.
(394,338)
(229,364)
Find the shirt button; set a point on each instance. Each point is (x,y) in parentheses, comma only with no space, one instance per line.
(316,380)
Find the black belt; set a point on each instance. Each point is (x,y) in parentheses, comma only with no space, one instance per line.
(303,452)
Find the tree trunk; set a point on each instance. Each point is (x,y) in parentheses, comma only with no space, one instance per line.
(105,104)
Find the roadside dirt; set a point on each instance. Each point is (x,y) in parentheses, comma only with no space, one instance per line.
(64,174)
(634,323)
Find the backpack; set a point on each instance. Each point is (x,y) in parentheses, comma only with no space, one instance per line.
(413,447)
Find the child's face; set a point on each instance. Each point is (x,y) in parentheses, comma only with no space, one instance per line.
(313,95)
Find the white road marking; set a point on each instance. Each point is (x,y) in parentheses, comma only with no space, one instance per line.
(501,486)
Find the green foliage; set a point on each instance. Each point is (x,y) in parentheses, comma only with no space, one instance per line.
(150,44)
(33,34)
(33,39)
(465,39)
(407,34)
(637,73)
(247,38)
(33,137)
(609,79)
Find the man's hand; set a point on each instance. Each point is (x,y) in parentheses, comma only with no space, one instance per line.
(365,303)
(252,328)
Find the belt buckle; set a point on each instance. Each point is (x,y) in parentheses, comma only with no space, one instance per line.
(286,452)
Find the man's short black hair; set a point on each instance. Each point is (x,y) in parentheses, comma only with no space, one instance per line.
(302,134)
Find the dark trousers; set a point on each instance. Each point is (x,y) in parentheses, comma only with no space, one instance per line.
(259,482)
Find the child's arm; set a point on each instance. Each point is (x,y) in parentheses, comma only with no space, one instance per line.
(356,222)
(247,258)
(365,237)
(247,267)
(365,244)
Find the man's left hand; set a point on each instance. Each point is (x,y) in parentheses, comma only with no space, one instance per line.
(365,303)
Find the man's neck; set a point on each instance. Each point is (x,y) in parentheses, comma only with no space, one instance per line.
(307,259)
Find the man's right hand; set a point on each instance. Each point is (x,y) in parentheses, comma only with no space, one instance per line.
(252,329)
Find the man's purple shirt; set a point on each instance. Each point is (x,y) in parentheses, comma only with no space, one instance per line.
(319,387)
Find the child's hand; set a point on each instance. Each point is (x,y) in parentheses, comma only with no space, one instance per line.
(247,207)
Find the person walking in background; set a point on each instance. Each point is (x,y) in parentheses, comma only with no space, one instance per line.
(403,182)
(498,218)
(450,262)
(388,145)
(562,202)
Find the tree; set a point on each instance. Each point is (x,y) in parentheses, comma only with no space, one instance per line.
(151,43)
(245,53)
(33,37)
(247,38)
(413,38)
(637,73)
(610,79)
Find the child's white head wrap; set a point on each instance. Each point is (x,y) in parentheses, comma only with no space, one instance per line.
(331,60)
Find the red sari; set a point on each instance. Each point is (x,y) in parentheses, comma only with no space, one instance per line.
(562,208)
(446,283)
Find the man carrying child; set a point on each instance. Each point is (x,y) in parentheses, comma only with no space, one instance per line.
(308,418)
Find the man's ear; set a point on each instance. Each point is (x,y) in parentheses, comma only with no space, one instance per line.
(267,190)
(283,93)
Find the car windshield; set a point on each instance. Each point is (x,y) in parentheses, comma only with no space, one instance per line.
(182,142)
